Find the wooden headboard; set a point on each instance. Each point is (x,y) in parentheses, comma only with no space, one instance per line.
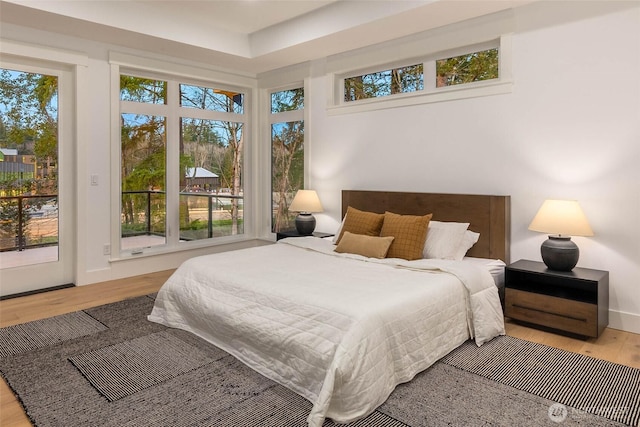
(488,215)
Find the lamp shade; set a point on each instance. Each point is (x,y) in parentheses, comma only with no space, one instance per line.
(306,201)
(562,217)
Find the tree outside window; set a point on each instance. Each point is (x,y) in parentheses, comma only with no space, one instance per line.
(475,66)
(384,83)
(211,163)
(28,159)
(469,68)
(210,154)
(287,155)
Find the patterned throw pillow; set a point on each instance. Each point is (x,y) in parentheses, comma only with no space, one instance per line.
(361,222)
(410,232)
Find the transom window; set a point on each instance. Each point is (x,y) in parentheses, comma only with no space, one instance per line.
(456,70)
(384,83)
(481,69)
(468,68)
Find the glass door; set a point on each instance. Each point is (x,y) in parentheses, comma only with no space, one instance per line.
(36,186)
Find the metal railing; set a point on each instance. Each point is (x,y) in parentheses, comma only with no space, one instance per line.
(31,221)
(28,221)
(212,202)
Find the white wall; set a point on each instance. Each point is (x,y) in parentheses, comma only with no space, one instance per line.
(569,129)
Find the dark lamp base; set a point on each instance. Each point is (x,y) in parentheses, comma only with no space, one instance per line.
(560,253)
(305,224)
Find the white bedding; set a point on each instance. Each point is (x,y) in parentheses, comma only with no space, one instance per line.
(341,330)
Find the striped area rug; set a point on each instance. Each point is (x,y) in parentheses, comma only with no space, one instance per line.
(128,367)
(217,390)
(43,333)
(581,382)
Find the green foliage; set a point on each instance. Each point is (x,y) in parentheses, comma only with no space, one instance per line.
(287,173)
(197,224)
(139,89)
(287,156)
(215,145)
(287,141)
(200,229)
(143,152)
(46,88)
(149,173)
(10,216)
(384,83)
(287,100)
(11,185)
(200,131)
(472,67)
(29,114)
(467,68)
(46,146)
(28,123)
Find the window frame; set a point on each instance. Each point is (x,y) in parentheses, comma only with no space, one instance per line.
(176,74)
(430,93)
(71,69)
(283,117)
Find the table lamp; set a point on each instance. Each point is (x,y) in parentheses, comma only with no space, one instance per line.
(305,203)
(561,219)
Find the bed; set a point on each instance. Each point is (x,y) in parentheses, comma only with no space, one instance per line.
(341,329)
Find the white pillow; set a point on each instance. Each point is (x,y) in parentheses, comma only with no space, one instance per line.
(444,239)
(470,238)
(335,236)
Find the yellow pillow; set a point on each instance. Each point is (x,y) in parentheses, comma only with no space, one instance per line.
(361,222)
(369,246)
(410,232)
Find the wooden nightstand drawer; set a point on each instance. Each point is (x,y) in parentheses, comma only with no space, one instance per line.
(574,301)
(558,313)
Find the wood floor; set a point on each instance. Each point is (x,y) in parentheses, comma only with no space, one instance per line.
(613,345)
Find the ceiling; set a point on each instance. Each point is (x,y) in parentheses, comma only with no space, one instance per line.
(248,36)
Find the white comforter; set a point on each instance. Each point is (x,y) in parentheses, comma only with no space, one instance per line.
(339,329)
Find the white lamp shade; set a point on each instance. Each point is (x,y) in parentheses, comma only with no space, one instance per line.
(305,201)
(562,217)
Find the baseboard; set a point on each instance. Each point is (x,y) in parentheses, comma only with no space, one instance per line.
(628,322)
(37,291)
(120,268)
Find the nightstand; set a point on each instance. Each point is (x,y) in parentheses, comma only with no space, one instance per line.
(294,233)
(574,301)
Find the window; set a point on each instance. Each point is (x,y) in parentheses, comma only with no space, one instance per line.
(181,160)
(469,68)
(457,70)
(211,153)
(143,151)
(287,154)
(28,161)
(475,70)
(384,83)
(42,115)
